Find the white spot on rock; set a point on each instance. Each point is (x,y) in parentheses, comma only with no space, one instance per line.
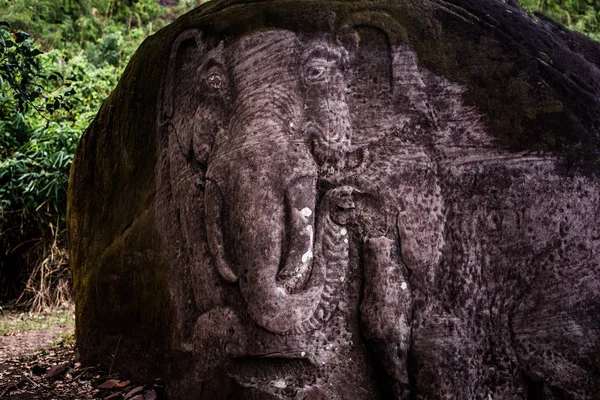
(307,212)
(280,384)
(307,256)
(302,354)
(403,286)
(346,241)
(343,232)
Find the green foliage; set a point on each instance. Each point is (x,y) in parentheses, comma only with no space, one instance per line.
(580,15)
(106,51)
(22,78)
(59,60)
(37,140)
(36,145)
(40,123)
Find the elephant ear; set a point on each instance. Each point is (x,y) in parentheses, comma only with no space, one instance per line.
(407,78)
(186,54)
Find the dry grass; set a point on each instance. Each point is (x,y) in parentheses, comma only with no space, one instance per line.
(48,286)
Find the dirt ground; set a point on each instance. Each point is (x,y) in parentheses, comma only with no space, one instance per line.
(42,364)
(26,357)
(23,343)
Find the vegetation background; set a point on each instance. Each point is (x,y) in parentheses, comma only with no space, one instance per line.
(59,60)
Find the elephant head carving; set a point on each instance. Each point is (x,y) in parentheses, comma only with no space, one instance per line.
(260,118)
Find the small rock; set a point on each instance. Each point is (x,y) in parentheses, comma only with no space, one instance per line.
(100,379)
(38,370)
(115,396)
(134,392)
(109,384)
(122,384)
(150,395)
(56,371)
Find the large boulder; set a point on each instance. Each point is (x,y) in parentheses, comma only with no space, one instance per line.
(346,200)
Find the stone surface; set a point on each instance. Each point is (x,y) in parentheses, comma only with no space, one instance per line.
(346,200)
(133,393)
(56,371)
(150,395)
(109,384)
(122,384)
(114,396)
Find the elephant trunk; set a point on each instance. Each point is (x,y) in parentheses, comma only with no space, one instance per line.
(331,255)
(288,271)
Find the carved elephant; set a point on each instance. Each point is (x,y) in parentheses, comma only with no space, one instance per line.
(259,148)
(265,125)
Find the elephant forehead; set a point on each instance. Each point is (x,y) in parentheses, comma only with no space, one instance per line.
(277,49)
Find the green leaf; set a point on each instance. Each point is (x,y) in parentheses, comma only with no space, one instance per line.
(35,52)
(20,37)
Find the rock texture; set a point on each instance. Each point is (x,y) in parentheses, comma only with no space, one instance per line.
(346,200)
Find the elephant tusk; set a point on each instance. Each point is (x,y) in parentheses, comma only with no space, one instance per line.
(214,231)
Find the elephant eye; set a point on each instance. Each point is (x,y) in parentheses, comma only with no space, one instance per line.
(316,71)
(214,80)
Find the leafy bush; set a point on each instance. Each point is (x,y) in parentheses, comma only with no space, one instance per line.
(42,116)
(580,15)
(106,51)
(36,149)
(41,120)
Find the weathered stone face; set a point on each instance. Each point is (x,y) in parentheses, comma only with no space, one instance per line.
(329,219)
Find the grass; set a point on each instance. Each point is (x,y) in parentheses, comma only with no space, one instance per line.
(14,321)
(64,339)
